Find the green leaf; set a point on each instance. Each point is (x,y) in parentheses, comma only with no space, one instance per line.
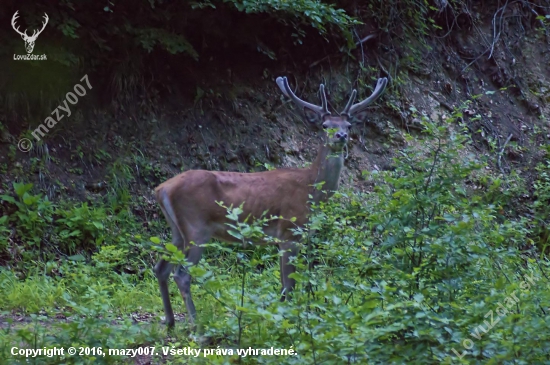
(171,248)
(372,303)
(78,257)
(500,283)
(21,188)
(8,199)
(419,297)
(75,233)
(198,271)
(28,199)
(98,225)
(155,240)
(449,218)
(235,234)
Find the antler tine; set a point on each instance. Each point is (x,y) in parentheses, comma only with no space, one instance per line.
(324,104)
(287,91)
(350,103)
(378,91)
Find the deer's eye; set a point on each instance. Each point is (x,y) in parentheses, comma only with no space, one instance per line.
(325,126)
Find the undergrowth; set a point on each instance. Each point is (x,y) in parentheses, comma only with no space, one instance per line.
(428,268)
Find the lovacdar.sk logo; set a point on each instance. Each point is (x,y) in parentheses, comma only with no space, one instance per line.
(29,39)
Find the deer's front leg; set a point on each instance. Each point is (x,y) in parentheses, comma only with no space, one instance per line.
(289,250)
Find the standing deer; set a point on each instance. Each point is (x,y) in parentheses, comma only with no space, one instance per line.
(188,200)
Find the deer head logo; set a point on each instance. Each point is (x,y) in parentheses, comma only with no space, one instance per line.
(29,40)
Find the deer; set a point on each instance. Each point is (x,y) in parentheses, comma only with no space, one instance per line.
(29,40)
(189,200)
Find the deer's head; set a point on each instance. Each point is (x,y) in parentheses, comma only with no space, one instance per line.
(29,40)
(336,127)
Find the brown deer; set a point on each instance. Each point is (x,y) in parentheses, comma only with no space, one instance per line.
(188,201)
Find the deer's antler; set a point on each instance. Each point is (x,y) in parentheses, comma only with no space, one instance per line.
(349,110)
(285,88)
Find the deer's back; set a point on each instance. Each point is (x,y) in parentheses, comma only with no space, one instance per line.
(193,195)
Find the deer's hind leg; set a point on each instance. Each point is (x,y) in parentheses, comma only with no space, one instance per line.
(163,269)
(193,252)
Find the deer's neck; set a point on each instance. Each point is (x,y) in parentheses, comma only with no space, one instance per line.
(326,169)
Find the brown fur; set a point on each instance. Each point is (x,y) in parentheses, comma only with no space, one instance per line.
(193,195)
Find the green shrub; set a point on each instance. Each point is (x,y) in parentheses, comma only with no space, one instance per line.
(33,214)
(313,13)
(541,207)
(421,271)
(80,227)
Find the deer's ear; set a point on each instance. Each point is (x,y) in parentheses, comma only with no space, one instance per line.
(358,117)
(312,117)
